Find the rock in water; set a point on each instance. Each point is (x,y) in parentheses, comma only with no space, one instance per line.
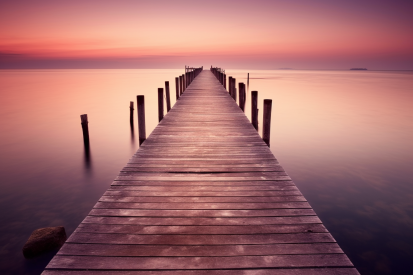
(44,239)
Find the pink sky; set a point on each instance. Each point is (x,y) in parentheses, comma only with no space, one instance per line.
(302,34)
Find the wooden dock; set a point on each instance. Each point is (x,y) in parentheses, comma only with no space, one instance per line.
(202,195)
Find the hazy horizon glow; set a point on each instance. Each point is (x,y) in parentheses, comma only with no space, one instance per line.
(266,34)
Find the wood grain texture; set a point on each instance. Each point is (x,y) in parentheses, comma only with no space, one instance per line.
(203,195)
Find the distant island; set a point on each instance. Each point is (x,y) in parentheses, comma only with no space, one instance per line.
(358,69)
(285,69)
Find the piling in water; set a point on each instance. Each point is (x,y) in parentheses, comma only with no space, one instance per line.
(266,128)
(160,104)
(254,109)
(168,98)
(141,118)
(85,129)
(131,112)
(241,87)
(177,87)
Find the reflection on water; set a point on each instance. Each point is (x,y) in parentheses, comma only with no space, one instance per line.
(132,134)
(88,158)
(344,138)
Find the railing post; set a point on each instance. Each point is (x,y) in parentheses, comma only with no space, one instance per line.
(141,118)
(168,98)
(177,87)
(225,81)
(160,104)
(266,128)
(254,109)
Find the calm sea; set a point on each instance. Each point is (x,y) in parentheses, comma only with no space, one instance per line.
(345,138)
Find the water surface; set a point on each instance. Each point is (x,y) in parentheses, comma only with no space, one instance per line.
(345,137)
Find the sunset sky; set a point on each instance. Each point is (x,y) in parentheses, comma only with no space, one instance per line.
(237,34)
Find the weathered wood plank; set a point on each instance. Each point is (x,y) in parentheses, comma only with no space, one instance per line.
(202,221)
(207,183)
(171,263)
(200,177)
(200,230)
(200,206)
(201,213)
(183,199)
(196,250)
(200,239)
(202,194)
(278,271)
(187,188)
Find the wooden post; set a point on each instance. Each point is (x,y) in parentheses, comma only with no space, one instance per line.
(131,112)
(141,118)
(85,129)
(160,104)
(183,83)
(181,88)
(177,87)
(234,90)
(225,81)
(230,85)
(235,94)
(254,109)
(266,127)
(244,96)
(241,88)
(168,98)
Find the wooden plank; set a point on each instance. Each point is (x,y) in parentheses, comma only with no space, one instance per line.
(200,206)
(185,199)
(171,263)
(200,169)
(202,221)
(202,194)
(279,271)
(200,230)
(201,213)
(200,239)
(114,250)
(187,188)
(273,183)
